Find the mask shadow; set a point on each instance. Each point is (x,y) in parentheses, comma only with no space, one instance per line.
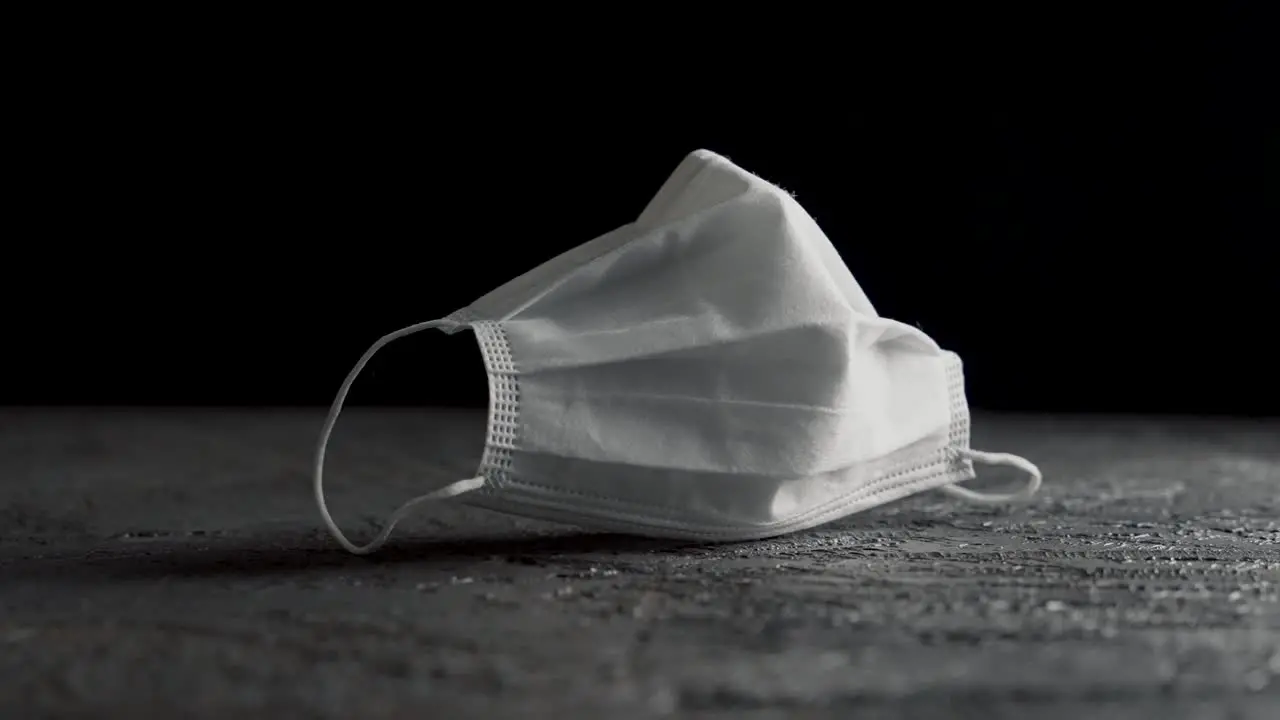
(287,554)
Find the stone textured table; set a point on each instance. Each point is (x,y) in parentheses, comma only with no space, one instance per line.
(171,564)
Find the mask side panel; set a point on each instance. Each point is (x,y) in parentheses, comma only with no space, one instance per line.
(716,506)
(787,403)
(676,497)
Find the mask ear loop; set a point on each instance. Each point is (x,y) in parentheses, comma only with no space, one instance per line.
(989,458)
(448,491)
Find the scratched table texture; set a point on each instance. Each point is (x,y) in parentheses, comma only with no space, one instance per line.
(172,564)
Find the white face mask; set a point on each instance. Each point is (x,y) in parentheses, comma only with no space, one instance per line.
(711,372)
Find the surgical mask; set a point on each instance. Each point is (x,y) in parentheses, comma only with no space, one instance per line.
(709,372)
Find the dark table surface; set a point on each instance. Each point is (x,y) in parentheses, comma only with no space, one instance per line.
(171,564)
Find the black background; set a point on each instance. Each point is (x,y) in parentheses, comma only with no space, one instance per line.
(231,219)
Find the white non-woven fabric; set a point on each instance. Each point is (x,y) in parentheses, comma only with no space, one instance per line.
(712,371)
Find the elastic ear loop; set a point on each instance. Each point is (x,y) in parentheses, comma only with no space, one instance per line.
(989,458)
(448,491)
